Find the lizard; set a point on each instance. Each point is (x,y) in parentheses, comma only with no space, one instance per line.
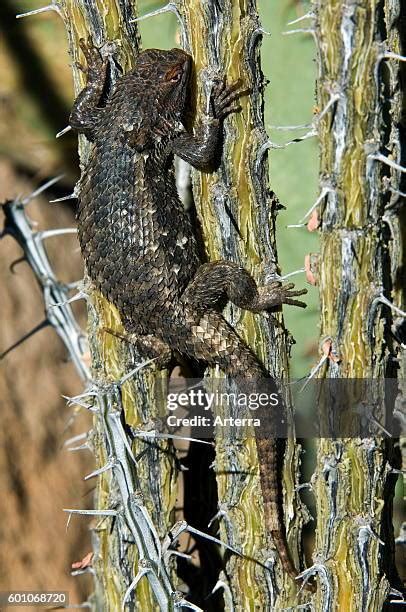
(138,243)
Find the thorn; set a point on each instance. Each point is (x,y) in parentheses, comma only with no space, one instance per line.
(393,470)
(363,411)
(299,31)
(183,603)
(256,32)
(254,35)
(16,262)
(74,284)
(75,400)
(216,540)
(262,31)
(82,436)
(36,329)
(309,15)
(101,470)
(276,277)
(310,134)
(176,553)
(388,162)
(321,197)
(79,296)
(141,366)
(91,512)
(64,131)
(395,56)
(314,372)
(310,126)
(44,9)
(71,196)
(170,7)
(381,298)
(55,232)
(89,407)
(397,192)
(143,571)
(73,449)
(262,150)
(396,593)
(288,128)
(123,436)
(220,584)
(222,512)
(139,433)
(91,392)
(316,568)
(333,99)
(40,189)
(182,526)
(86,570)
(269,144)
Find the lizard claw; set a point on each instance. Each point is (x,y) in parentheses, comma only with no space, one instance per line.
(96,66)
(276,294)
(223,96)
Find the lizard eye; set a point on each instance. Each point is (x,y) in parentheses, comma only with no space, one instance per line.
(173,75)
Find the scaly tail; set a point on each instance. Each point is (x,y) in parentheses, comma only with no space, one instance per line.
(213,340)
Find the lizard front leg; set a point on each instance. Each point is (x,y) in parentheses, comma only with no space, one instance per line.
(85,112)
(202,149)
(216,280)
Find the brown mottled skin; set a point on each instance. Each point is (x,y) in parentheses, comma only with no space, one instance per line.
(137,241)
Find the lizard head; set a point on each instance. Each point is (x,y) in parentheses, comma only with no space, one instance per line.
(151,99)
(166,75)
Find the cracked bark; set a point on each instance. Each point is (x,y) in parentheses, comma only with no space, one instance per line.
(360,260)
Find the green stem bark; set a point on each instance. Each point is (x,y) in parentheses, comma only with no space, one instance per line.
(359,263)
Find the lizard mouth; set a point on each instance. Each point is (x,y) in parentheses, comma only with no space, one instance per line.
(186,69)
(183,64)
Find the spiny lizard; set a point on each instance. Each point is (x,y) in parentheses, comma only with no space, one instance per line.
(137,240)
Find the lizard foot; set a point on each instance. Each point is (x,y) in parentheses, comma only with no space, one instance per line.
(223,96)
(276,294)
(95,65)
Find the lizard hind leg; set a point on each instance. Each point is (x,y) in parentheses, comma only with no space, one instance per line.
(216,280)
(149,346)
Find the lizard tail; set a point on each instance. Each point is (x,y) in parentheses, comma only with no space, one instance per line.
(216,342)
(272,496)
